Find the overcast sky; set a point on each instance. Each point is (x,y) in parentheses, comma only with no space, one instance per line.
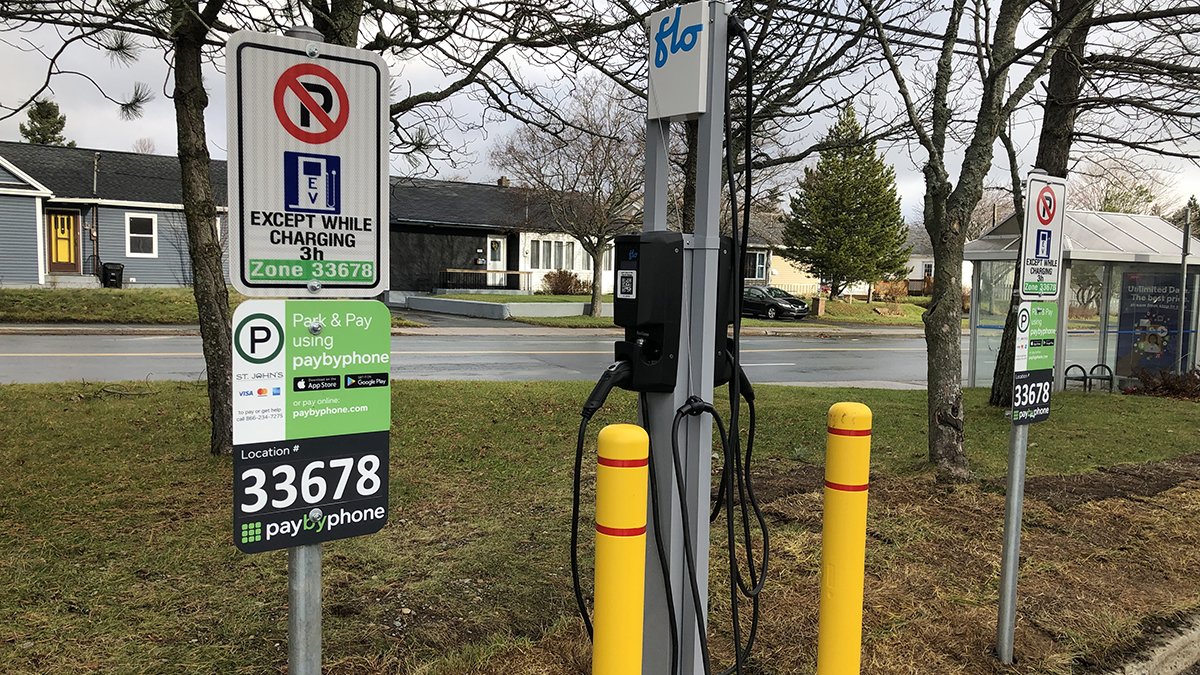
(94,122)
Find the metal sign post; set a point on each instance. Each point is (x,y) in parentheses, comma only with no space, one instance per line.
(687,81)
(1033,373)
(308,215)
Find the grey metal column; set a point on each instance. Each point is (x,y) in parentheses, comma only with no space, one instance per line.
(1061,340)
(1014,501)
(304,610)
(695,377)
(1105,289)
(973,317)
(656,641)
(1183,299)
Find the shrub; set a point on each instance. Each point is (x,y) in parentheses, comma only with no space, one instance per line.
(891,291)
(1168,385)
(563,282)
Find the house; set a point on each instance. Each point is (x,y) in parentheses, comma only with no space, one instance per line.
(451,235)
(65,211)
(920,260)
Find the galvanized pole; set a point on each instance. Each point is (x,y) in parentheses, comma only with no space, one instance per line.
(304,562)
(304,610)
(1014,501)
(1183,275)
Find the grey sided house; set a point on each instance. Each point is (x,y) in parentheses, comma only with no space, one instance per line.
(66,211)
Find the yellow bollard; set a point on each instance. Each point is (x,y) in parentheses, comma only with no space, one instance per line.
(621,472)
(844,539)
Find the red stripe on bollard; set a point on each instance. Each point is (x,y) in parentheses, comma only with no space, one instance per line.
(621,531)
(848,432)
(623,463)
(846,488)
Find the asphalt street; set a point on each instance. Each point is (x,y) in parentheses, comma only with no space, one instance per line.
(896,362)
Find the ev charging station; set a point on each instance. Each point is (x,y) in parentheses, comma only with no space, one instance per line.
(676,295)
(687,80)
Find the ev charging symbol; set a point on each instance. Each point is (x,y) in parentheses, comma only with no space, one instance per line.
(258,338)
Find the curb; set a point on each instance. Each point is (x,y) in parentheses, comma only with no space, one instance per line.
(1179,652)
(111,329)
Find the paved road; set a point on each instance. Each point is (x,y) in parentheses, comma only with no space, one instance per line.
(897,362)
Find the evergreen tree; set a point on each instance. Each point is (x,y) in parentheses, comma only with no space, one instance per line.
(45,124)
(845,223)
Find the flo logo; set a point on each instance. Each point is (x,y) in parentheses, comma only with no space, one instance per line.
(251,532)
(680,40)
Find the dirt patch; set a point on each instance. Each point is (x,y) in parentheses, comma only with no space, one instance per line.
(1124,481)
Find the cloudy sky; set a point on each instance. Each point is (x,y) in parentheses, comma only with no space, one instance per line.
(94,122)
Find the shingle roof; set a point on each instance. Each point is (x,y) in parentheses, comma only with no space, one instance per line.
(1095,236)
(122,176)
(918,239)
(128,176)
(439,202)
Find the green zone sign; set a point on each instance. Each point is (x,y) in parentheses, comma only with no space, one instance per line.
(311,416)
(1033,362)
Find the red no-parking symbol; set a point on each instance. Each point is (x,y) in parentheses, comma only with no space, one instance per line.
(311,121)
(1046,205)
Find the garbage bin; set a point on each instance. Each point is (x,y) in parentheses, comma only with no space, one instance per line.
(111,275)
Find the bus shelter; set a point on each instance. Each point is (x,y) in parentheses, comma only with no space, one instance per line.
(1124,283)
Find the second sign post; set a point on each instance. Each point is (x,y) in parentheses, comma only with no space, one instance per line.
(308,219)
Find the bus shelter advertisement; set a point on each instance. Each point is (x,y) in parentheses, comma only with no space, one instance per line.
(1148,336)
(311,414)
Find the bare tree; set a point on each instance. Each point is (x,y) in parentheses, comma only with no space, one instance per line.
(143,146)
(588,176)
(965,100)
(1117,186)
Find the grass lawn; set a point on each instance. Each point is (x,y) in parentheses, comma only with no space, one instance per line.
(117,554)
(510,298)
(162,306)
(837,313)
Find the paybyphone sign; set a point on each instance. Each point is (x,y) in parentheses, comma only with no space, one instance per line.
(311,419)
(307,168)
(1042,242)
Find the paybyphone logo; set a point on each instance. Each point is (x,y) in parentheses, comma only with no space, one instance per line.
(679,40)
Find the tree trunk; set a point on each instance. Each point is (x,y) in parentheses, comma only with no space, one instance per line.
(208,280)
(339,22)
(597,281)
(687,215)
(943,335)
(1054,153)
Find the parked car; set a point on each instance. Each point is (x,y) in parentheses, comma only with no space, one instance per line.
(773,303)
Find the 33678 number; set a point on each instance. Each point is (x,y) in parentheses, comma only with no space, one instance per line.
(1032,394)
(312,486)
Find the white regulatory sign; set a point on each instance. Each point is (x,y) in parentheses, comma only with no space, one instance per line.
(308,168)
(1042,238)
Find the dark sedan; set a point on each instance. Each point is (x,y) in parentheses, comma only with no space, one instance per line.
(773,303)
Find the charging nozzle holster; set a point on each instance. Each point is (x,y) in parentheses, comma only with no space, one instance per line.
(648,304)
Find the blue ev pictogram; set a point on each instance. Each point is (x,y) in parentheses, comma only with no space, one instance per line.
(312,183)
(681,41)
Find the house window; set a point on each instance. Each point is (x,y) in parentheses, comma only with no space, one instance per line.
(569,262)
(534,251)
(141,235)
(546,255)
(756,265)
(608,256)
(927,270)
(558,255)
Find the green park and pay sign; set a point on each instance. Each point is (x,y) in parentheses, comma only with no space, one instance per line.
(1033,362)
(311,414)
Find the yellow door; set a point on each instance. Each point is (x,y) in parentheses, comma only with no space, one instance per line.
(64,241)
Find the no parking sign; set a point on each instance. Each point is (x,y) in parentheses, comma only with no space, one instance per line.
(307,168)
